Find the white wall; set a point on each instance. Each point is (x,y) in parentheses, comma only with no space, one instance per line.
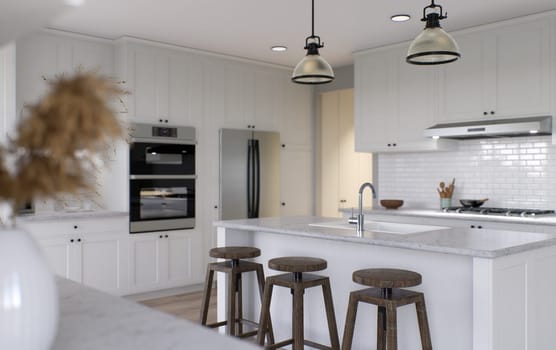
(511,172)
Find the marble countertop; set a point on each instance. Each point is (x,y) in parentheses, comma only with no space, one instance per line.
(549,220)
(485,243)
(78,214)
(92,320)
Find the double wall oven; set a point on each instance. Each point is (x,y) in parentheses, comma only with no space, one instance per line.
(162,178)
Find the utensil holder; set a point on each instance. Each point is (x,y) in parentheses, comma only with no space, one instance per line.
(445,203)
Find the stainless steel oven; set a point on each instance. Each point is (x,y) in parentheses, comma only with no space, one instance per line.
(162,178)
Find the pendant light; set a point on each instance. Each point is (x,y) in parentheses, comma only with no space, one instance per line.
(313,69)
(433,45)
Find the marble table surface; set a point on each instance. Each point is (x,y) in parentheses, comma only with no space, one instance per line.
(485,243)
(93,320)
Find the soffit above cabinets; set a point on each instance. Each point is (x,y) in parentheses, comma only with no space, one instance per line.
(249,28)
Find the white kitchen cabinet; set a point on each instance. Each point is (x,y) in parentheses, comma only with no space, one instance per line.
(296,124)
(393,103)
(504,72)
(44,56)
(89,252)
(161,260)
(342,170)
(296,180)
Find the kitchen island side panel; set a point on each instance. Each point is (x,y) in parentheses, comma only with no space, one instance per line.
(447,284)
(514,305)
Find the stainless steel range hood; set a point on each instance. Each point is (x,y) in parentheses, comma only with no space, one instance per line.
(492,128)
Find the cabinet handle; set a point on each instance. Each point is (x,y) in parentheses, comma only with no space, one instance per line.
(160,120)
(283,204)
(72,240)
(283,145)
(485,113)
(216,207)
(389,145)
(166,120)
(479,227)
(394,145)
(491,112)
(160,236)
(165,236)
(472,226)
(75,227)
(79,240)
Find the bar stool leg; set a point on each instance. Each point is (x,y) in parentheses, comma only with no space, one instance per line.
(260,281)
(381,328)
(426,343)
(206,295)
(391,327)
(264,320)
(297,318)
(329,306)
(239,305)
(350,321)
(232,281)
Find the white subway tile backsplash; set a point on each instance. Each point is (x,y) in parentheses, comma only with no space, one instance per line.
(511,172)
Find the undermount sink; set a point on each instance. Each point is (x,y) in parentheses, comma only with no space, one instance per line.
(380,227)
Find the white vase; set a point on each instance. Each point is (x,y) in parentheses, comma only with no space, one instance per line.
(28,294)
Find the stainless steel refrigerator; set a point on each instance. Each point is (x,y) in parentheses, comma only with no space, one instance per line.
(249,174)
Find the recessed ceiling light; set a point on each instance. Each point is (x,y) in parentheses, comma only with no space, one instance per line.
(279,48)
(75,3)
(400,18)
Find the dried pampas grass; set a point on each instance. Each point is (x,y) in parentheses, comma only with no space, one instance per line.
(59,137)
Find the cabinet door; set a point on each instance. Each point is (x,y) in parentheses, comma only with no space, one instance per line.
(146,249)
(296,181)
(297,122)
(269,99)
(522,71)
(104,260)
(61,255)
(354,168)
(239,98)
(183,250)
(462,85)
(376,123)
(329,153)
(414,100)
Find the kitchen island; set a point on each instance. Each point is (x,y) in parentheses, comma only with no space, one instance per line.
(485,289)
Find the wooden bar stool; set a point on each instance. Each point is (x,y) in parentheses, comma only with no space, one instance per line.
(297,281)
(234,267)
(388,298)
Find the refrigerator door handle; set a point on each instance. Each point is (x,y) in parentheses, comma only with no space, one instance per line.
(257,180)
(249,179)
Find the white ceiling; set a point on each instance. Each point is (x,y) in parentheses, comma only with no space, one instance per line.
(247,28)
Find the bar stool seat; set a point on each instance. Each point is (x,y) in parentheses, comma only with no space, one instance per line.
(388,296)
(297,280)
(234,267)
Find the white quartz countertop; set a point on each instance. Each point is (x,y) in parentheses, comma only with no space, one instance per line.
(78,214)
(549,220)
(93,320)
(484,243)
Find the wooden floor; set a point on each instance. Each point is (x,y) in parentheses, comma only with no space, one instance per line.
(186,306)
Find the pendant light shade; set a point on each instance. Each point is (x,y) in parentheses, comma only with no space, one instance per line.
(313,69)
(433,45)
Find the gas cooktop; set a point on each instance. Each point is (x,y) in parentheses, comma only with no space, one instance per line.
(499,211)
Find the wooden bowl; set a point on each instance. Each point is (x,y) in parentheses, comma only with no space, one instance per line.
(391,203)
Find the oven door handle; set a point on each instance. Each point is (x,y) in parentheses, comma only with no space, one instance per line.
(162,177)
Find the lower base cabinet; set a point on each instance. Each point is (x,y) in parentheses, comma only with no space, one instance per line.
(102,254)
(162,260)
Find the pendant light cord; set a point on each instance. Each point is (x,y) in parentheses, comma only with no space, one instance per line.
(312,18)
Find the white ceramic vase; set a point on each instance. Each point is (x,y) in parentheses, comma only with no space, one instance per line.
(28,295)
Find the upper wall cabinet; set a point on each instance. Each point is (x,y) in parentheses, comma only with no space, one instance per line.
(163,85)
(504,72)
(43,57)
(393,103)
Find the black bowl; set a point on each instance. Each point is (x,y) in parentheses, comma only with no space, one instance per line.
(472,203)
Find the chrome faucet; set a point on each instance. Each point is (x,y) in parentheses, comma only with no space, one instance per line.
(360,217)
